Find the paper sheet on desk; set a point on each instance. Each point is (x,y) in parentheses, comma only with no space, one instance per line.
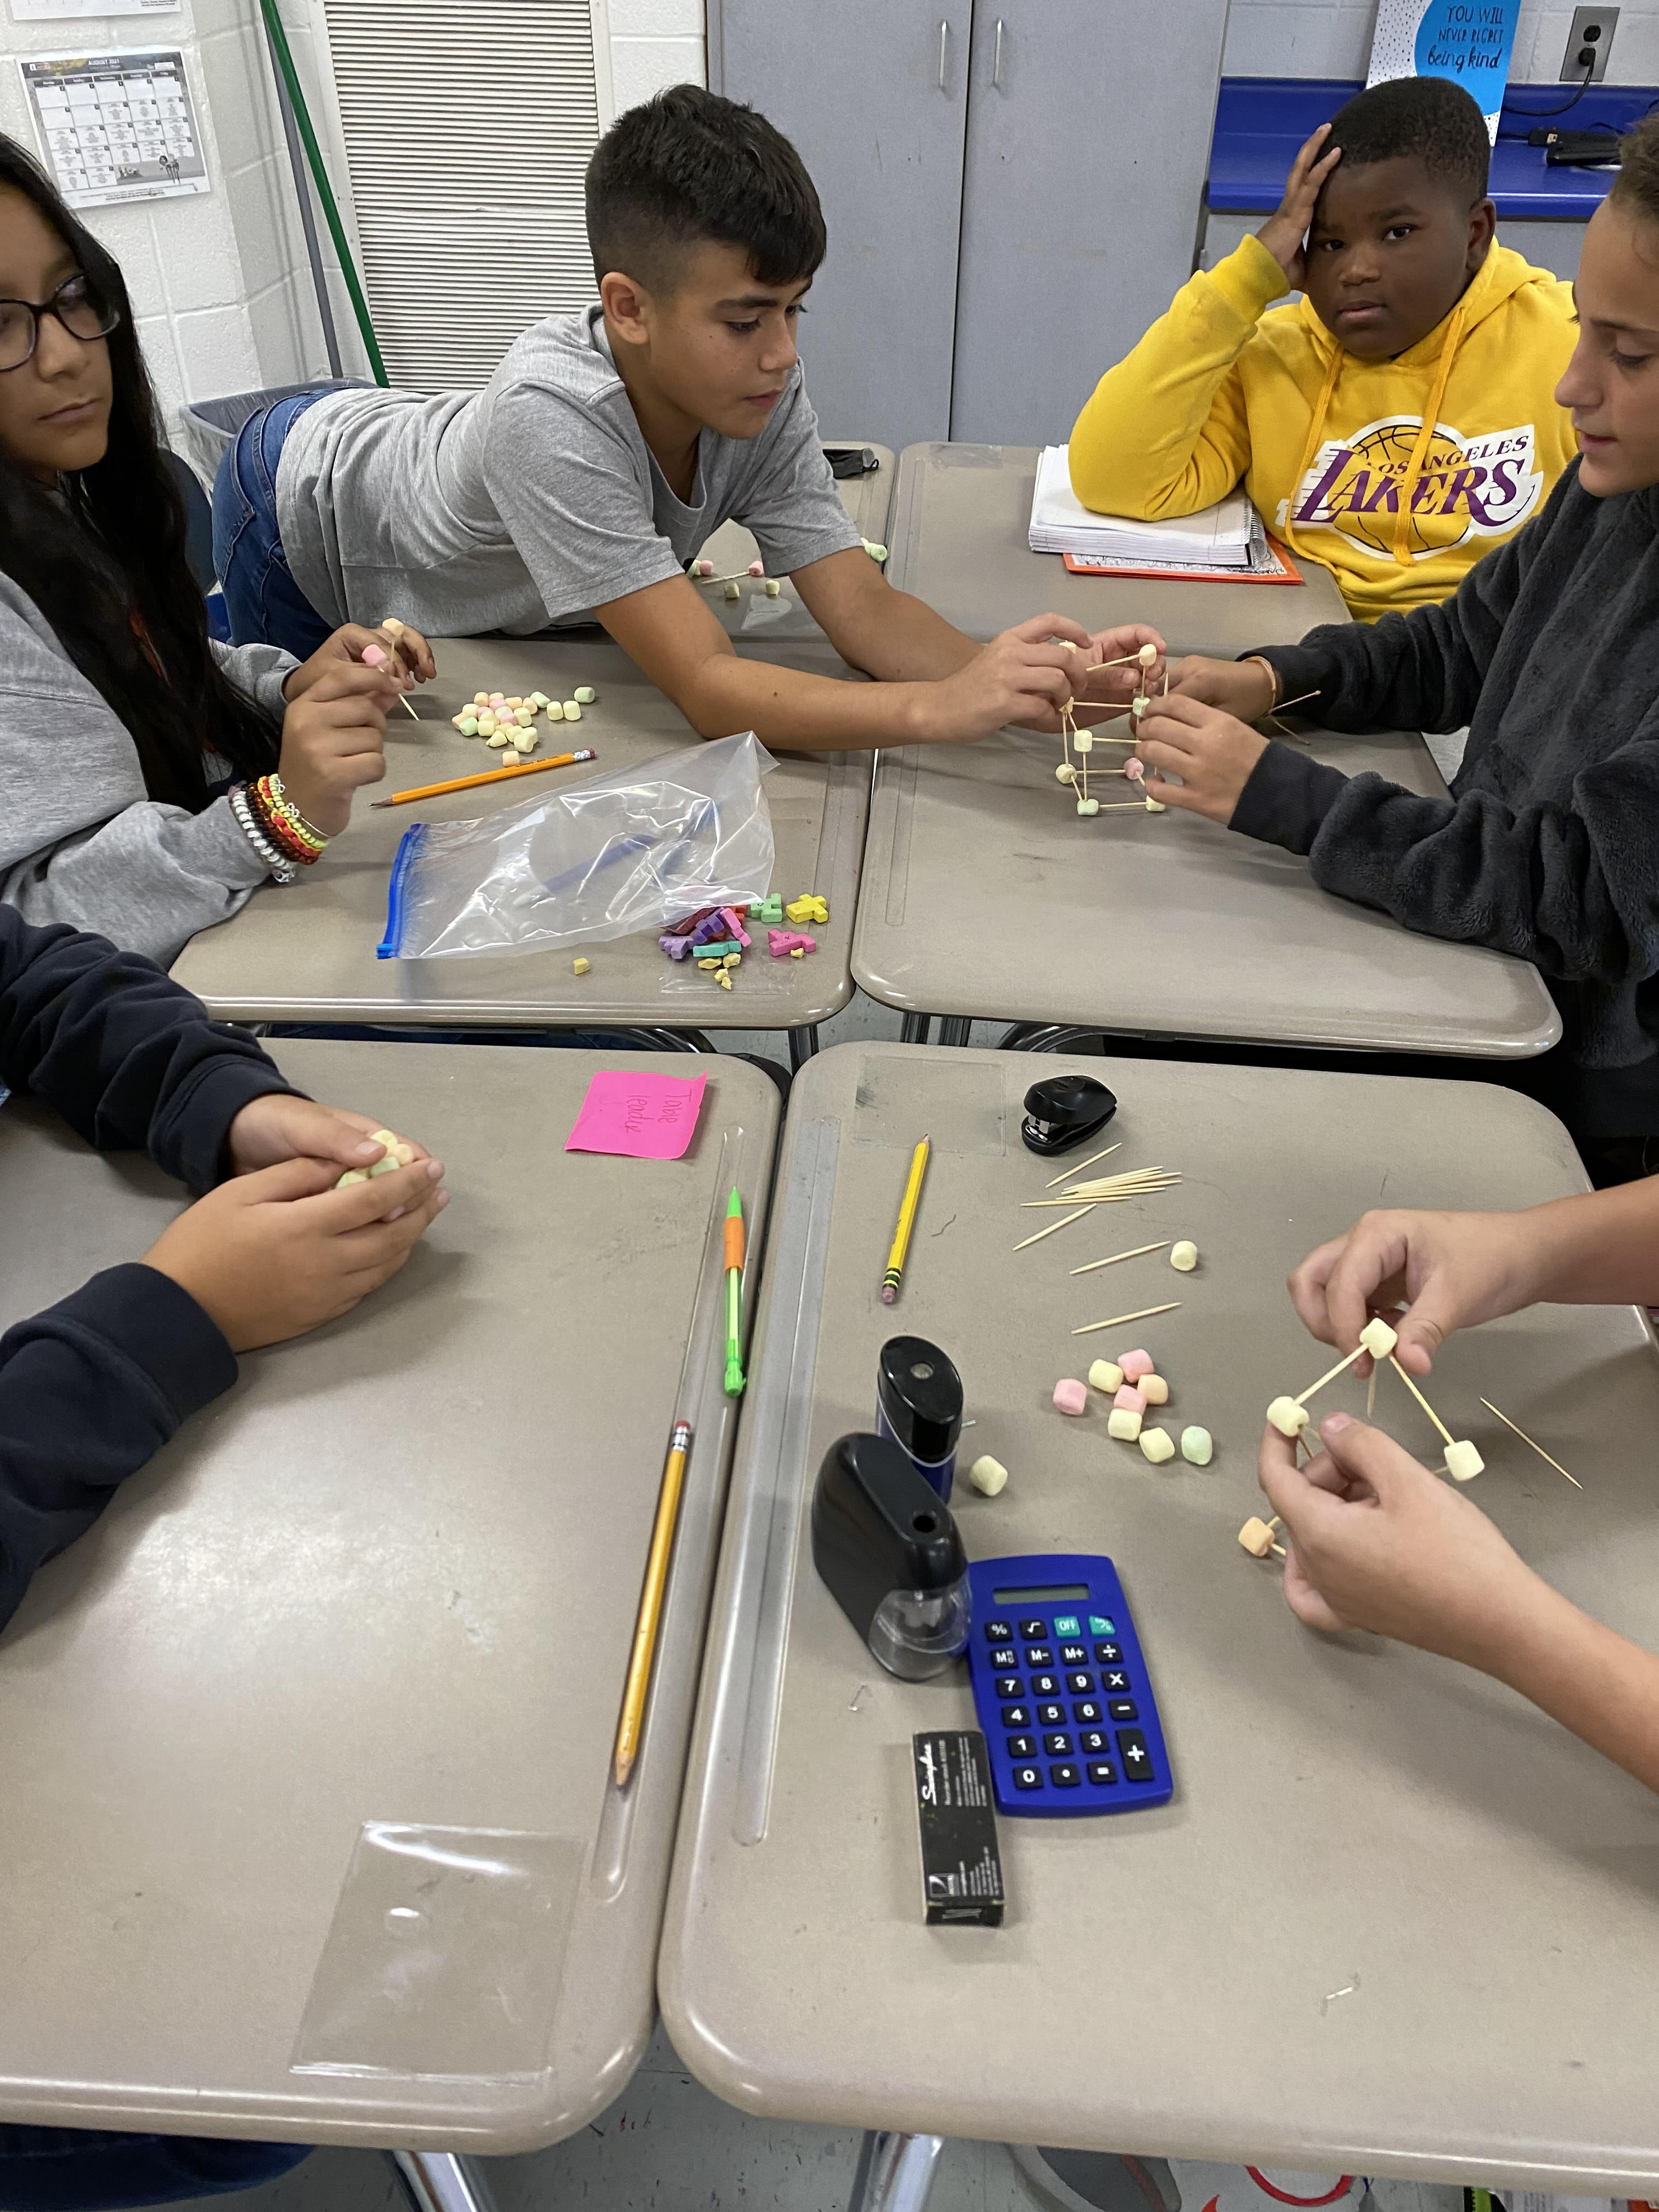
(1217,536)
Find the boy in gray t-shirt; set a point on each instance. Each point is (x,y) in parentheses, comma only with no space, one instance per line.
(604,452)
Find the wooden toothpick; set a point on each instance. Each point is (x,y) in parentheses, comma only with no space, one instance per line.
(1370,1395)
(1332,1376)
(1119,1320)
(1444,1432)
(1078,1166)
(1280,707)
(1526,1439)
(1053,1226)
(1116,1256)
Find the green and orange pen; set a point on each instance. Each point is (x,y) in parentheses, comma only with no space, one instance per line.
(734,1296)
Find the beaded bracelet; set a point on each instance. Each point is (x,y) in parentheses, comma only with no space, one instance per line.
(271,797)
(282,833)
(284,871)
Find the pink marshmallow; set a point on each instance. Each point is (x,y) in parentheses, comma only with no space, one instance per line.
(703,568)
(1070,1396)
(1134,1364)
(1129,1399)
(757,567)
(1133,768)
(375,656)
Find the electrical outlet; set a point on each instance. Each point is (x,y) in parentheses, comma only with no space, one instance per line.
(1589,43)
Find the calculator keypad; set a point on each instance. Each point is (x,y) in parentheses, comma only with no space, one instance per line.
(1056,1748)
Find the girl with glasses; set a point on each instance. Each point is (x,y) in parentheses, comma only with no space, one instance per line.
(150,780)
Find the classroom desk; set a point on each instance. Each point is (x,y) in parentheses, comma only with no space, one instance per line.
(1393,1920)
(391,1577)
(307,953)
(961,516)
(985,893)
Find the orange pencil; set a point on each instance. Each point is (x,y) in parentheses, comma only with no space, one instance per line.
(490,775)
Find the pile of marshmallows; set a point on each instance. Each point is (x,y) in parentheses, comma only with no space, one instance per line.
(508,724)
(1132,1385)
(397,1154)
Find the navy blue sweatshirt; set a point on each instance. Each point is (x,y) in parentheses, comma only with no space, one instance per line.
(95,1385)
(1548,847)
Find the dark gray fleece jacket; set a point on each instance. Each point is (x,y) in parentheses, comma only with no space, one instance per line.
(1548,847)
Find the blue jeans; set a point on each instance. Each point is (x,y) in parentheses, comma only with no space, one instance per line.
(85,2169)
(264,604)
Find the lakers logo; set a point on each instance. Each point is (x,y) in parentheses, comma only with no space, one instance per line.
(1483,486)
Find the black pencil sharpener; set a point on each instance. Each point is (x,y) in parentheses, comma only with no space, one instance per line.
(885,1543)
(1063,1111)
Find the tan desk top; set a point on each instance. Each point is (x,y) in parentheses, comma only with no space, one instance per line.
(960,521)
(758,625)
(984,893)
(1393,1920)
(307,952)
(391,1577)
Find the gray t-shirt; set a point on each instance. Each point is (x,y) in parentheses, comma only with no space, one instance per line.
(533,501)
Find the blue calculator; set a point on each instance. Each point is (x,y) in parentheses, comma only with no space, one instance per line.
(1062,1689)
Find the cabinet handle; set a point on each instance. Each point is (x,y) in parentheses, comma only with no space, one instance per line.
(943,37)
(996,60)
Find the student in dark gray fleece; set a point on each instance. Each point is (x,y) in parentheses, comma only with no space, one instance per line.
(142,769)
(1548,847)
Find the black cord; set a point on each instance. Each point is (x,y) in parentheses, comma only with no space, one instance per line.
(1533,114)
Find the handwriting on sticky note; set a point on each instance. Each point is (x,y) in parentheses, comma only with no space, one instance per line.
(641,1115)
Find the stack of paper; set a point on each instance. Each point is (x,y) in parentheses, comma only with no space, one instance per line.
(1217,538)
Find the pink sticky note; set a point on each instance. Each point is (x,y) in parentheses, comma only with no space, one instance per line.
(641,1115)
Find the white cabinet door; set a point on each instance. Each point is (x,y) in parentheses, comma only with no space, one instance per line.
(873,92)
(1089,127)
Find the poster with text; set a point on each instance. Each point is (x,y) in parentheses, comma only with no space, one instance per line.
(116,127)
(1466,41)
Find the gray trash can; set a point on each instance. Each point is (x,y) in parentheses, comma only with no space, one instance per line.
(207,426)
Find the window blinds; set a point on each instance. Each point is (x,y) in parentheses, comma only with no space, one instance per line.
(467,126)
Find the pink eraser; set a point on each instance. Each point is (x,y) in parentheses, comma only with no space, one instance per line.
(757,567)
(375,656)
(1135,1364)
(1070,1396)
(1128,1400)
(1133,768)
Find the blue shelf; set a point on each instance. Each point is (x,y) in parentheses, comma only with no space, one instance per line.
(1260,121)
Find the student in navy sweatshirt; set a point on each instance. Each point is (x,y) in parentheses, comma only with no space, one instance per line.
(1548,847)
(93,1386)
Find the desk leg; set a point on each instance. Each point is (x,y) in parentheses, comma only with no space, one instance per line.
(916,1030)
(954,1028)
(442,2181)
(895,2173)
(803,1043)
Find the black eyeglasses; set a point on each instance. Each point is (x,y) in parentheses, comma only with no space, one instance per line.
(82,312)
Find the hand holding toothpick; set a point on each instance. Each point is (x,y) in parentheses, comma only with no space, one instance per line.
(1213,754)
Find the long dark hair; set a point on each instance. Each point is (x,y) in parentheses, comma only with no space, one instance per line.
(113,548)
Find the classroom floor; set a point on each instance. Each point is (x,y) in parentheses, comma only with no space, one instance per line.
(667,2145)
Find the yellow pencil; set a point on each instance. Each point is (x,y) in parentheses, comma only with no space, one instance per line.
(907,1222)
(650,1613)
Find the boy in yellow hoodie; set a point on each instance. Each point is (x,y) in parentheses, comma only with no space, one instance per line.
(1396,423)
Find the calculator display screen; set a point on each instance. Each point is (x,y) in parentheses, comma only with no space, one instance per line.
(1073,1591)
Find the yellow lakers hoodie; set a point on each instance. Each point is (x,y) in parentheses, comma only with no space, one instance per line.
(1397,475)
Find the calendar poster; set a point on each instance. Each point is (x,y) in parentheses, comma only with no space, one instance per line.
(116,127)
(45,11)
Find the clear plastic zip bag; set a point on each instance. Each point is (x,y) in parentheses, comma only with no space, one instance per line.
(629,852)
